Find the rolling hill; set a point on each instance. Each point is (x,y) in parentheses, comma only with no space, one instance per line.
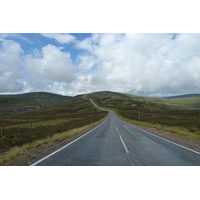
(31,125)
(32,116)
(18,103)
(122,101)
(183,96)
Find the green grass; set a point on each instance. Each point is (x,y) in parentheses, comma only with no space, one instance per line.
(25,149)
(47,121)
(12,104)
(154,103)
(177,116)
(39,124)
(176,130)
(118,101)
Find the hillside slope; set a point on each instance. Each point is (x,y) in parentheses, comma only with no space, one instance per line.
(12,104)
(183,96)
(123,101)
(24,128)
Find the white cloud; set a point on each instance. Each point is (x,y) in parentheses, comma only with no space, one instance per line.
(85,44)
(3,36)
(51,63)
(48,69)
(146,64)
(10,36)
(143,64)
(36,83)
(10,67)
(59,37)
(86,62)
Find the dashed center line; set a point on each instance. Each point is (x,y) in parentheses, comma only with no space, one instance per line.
(127,151)
(124,145)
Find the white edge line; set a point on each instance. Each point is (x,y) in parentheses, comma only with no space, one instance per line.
(68,143)
(123,144)
(159,136)
(172,142)
(163,138)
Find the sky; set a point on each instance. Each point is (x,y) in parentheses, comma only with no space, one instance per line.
(124,46)
(147,64)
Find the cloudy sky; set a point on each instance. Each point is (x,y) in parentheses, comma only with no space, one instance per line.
(70,64)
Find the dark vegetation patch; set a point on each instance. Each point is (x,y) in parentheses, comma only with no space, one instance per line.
(28,118)
(183,96)
(167,112)
(13,104)
(179,118)
(19,129)
(128,102)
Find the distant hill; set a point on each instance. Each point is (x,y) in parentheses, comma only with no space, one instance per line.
(183,96)
(21,103)
(124,101)
(17,103)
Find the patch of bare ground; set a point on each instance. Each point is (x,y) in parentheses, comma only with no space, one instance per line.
(192,144)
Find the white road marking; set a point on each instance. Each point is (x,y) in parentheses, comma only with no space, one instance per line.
(127,151)
(68,143)
(114,123)
(171,142)
(115,117)
(163,138)
(115,126)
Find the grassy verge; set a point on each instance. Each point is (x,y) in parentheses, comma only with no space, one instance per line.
(38,124)
(175,130)
(26,149)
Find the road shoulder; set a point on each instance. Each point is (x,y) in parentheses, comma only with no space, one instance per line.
(192,144)
(34,154)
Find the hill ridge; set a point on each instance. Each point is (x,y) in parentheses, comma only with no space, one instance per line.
(17,103)
(183,96)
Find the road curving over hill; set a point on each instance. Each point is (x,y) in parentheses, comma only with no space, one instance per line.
(116,143)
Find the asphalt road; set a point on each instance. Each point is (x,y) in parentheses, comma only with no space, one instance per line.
(116,143)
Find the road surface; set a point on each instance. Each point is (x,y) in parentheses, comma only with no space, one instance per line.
(116,143)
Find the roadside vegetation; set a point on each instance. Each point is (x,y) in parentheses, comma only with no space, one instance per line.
(46,125)
(25,131)
(182,130)
(32,150)
(179,116)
